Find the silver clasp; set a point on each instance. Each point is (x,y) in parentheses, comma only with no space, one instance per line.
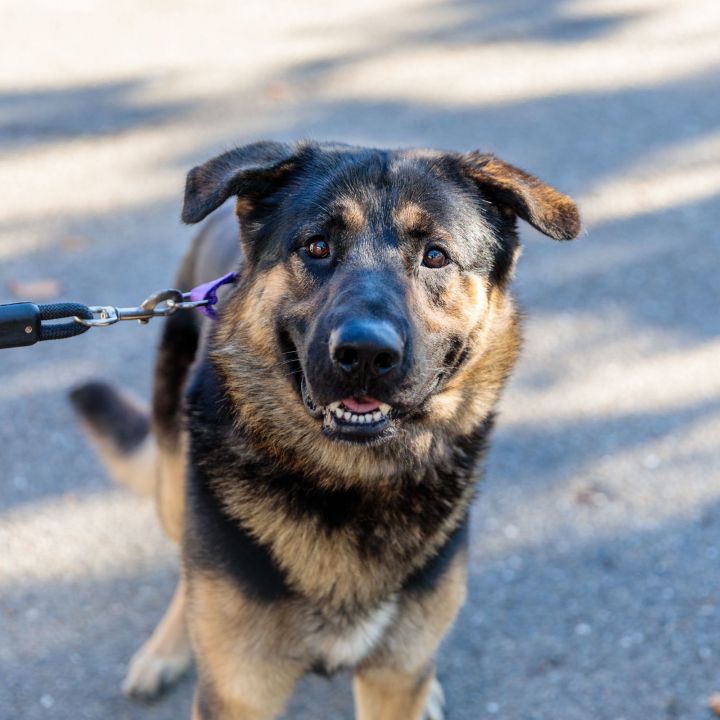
(159,304)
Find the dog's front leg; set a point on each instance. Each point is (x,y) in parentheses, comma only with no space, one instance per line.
(398,682)
(242,649)
(165,656)
(387,694)
(259,695)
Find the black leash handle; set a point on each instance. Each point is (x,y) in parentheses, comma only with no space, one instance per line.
(26,323)
(57,311)
(21,324)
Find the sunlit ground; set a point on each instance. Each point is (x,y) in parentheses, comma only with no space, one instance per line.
(594,586)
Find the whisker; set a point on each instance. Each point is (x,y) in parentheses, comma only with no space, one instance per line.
(293,372)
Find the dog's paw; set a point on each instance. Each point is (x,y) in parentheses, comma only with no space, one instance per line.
(435,708)
(149,674)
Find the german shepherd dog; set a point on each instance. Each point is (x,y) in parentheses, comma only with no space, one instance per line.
(315,450)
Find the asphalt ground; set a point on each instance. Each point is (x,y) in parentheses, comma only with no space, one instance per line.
(594,587)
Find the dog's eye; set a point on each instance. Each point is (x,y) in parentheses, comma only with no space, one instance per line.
(317,247)
(435,258)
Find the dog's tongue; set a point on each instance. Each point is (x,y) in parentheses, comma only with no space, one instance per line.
(363,405)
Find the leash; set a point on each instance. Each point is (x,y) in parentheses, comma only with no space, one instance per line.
(25,323)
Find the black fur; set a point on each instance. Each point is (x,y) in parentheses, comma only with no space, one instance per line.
(110,415)
(212,540)
(304,508)
(219,451)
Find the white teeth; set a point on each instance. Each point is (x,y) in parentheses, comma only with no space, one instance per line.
(341,413)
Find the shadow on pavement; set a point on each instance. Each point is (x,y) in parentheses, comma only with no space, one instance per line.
(572,625)
(33,118)
(568,628)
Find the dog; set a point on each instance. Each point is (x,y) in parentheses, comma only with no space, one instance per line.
(316,448)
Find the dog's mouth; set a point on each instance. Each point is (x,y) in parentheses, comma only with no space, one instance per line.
(359,419)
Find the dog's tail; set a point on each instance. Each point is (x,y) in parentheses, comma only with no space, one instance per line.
(119,427)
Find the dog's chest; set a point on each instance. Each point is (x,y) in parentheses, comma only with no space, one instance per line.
(344,645)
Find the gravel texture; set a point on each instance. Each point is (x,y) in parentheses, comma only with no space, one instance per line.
(594,588)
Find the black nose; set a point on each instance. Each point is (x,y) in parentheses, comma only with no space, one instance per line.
(366,347)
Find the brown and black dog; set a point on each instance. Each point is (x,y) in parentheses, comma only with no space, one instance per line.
(316,449)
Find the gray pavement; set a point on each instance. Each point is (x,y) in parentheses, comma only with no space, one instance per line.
(594,590)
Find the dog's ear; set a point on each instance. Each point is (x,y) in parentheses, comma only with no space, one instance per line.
(510,188)
(250,172)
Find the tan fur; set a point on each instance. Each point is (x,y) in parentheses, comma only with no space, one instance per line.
(167,653)
(347,539)
(245,671)
(328,567)
(472,392)
(352,215)
(263,393)
(324,567)
(260,388)
(137,471)
(550,211)
(411,217)
(250,655)
(423,622)
(390,695)
(170,489)
(394,683)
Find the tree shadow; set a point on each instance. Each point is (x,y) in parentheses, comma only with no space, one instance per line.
(570,629)
(466,22)
(566,627)
(33,118)
(538,457)
(668,286)
(519,21)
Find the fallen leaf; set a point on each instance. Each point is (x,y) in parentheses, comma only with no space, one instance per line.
(34,290)
(74,242)
(277,90)
(714,703)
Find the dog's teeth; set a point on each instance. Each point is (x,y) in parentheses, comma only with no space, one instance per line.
(360,418)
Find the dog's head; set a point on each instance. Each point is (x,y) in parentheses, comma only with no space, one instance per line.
(372,305)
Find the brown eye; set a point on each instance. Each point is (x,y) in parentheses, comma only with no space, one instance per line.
(317,248)
(435,258)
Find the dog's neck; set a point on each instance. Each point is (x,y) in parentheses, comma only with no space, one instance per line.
(341,546)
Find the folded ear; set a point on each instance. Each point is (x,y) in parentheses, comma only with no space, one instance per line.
(250,172)
(546,209)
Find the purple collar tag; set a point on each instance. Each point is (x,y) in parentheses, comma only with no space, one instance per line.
(208,291)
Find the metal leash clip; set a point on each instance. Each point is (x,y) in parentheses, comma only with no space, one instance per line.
(26,323)
(159,304)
